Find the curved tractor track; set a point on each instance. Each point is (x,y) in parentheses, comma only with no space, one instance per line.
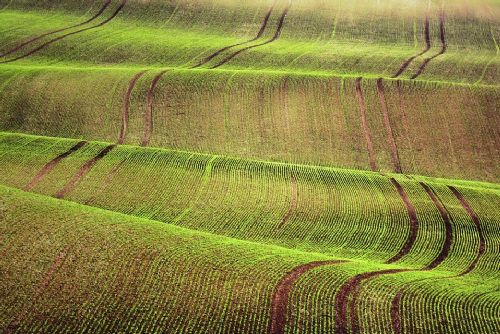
(148,112)
(259,35)
(126,106)
(51,164)
(351,288)
(396,302)
(84,170)
(444,46)
(34,39)
(282,291)
(44,45)
(408,61)
(276,35)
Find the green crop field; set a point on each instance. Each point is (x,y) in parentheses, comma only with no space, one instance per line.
(267,166)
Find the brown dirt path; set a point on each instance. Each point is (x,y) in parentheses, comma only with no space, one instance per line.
(259,35)
(276,35)
(408,61)
(51,164)
(293,203)
(126,106)
(42,286)
(34,39)
(44,45)
(388,128)
(364,124)
(444,46)
(475,219)
(148,113)
(83,171)
(282,292)
(412,236)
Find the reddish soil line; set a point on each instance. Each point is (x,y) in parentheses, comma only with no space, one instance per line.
(364,124)
(281,294)
(443,47)
(259,35)
(148,113)
(103,8)
(126,106)
(277,35)
(412,236)
(427,48)
(51,164)
(342,299)
(293,203)
(475,219)
(43,46)
(388,128)
(448,229)
(56,264)
(83,171)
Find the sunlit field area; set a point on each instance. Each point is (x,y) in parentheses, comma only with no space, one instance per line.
(267,166)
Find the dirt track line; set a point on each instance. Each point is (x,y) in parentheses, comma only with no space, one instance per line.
(282,291)
(388,128)
(43,46)
(351,287)
(443,254)
(444,46)
(475,219)
(259,35)
(364,124)
(293,203)
(342,299)
(83,171)
(408,61)
(276,35)
(148,113)
(51,164)
(34,39)
(126,106)
(56,264)
(412,236)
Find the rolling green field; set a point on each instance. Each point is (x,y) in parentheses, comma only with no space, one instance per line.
(268,166)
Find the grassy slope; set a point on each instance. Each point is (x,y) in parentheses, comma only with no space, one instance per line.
(101,272)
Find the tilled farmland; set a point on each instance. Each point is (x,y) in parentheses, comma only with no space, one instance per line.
(268,166)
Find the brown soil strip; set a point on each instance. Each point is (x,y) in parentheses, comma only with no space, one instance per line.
(364,124)
(44,45)
(259,35)
(34,39)
(475,219)
(395,318)
(83,171)
(148,113)
(56,264)
(276,35)
(293,203)
(126,106)
(408,61)
(351,287)
(281,293)
(388,128)
(443,47)
(51,164)
(412,236)
(447,224)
